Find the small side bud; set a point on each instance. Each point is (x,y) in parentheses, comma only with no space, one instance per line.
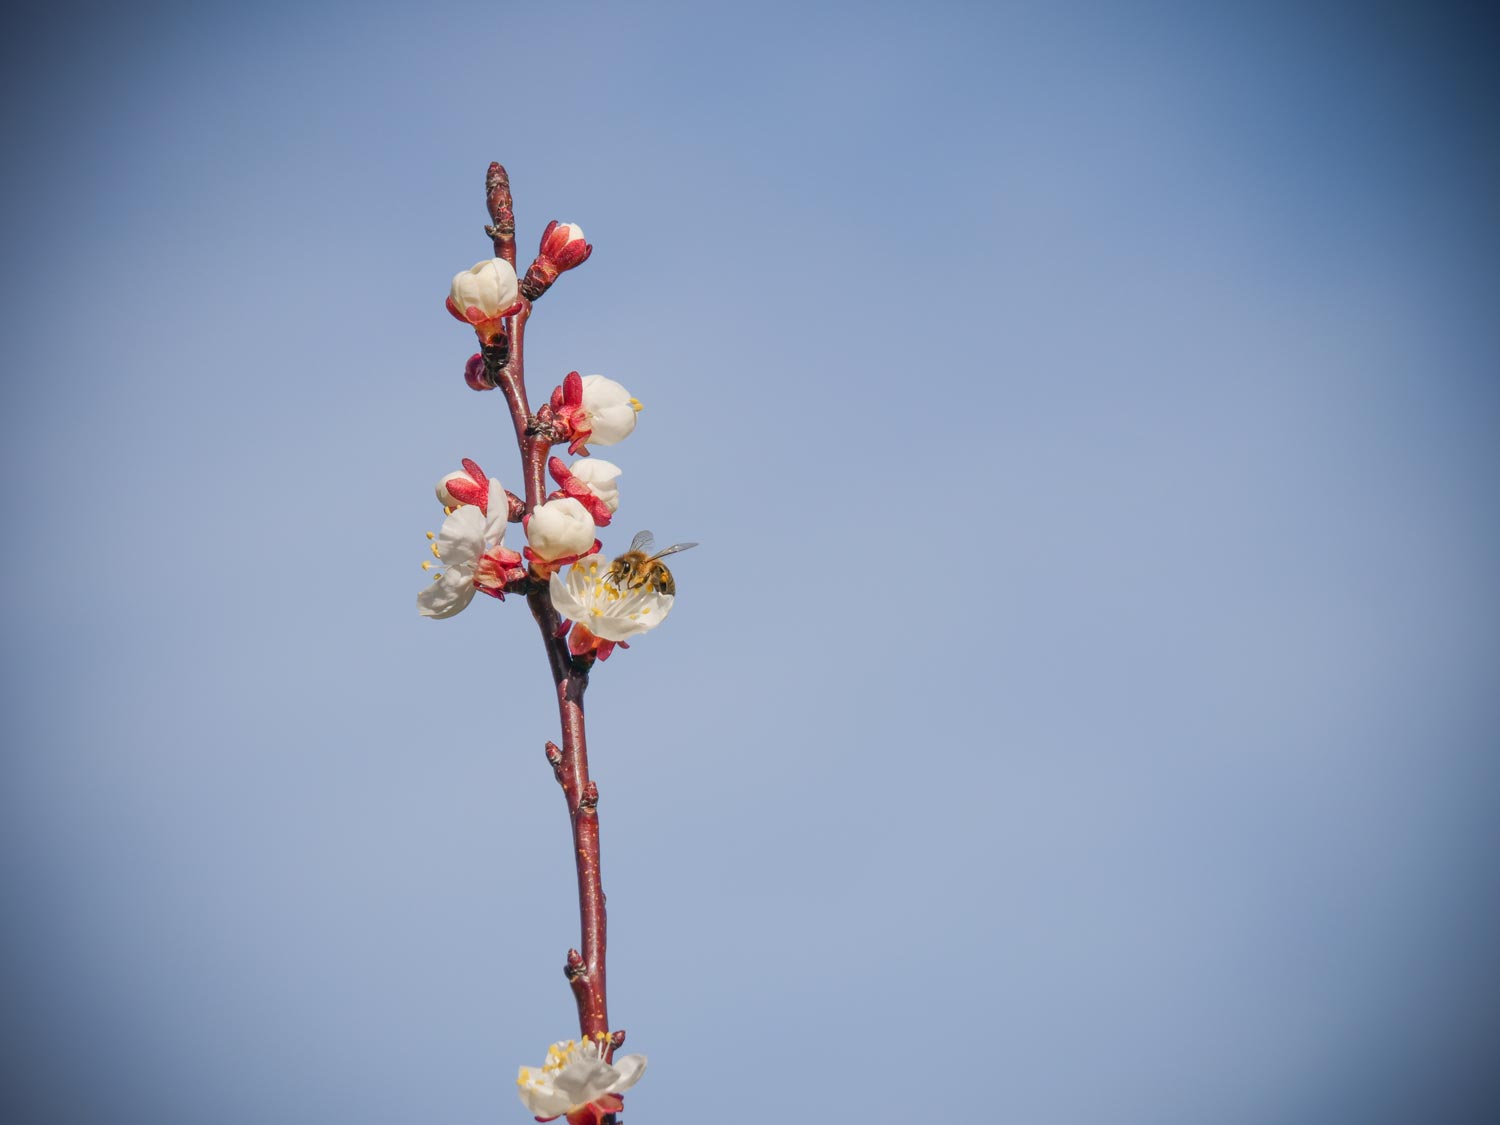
(574,967)
(476,374)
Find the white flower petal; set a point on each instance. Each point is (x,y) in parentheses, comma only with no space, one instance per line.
(447,596)
(630,616)
(611,424)
(498,517)
(568,603)
(540,1097)
(599,475)
(460,542)
(599,392)
(630,1068)
(585,1078)
(560,528)
(488,286)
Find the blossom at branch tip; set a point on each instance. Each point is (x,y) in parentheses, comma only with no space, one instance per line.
(557,533)
(484,296)
(603,614)
(469,548)
(590,481)
(577,1083)
(591,408)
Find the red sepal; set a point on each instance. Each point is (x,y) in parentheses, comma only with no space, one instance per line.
(470,492)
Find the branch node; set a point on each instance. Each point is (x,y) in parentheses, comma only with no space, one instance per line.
(574,967)
(496,355)
(590,799)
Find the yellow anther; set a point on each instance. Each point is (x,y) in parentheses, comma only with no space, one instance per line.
(430,535)
(435,551)
(447,511)
(426,564)
(635,404)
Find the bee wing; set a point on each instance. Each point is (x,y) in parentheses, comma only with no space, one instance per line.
(673,549)
(642,542)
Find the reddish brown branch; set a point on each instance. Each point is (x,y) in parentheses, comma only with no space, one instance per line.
(570,763)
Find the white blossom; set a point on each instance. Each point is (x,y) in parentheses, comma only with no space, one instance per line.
(460,545)
(591,597)
(574,1076)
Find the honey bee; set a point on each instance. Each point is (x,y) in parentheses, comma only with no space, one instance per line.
(637,567)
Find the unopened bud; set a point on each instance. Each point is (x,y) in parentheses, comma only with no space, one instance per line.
(563,247)
(477,375)
(599,476)
(560,529)
(484,296)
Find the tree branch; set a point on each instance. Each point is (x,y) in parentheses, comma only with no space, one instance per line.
(570,764)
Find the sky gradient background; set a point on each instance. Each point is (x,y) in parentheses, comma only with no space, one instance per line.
(1083,706)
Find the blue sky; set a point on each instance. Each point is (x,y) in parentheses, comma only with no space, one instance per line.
(1082,706)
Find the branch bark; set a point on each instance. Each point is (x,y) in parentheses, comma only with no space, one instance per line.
(585,969)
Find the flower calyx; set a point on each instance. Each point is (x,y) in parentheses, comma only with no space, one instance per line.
(563,248)
(591,408)
(590,481)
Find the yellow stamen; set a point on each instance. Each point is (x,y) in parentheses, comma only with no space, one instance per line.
(635,404)
(430,535)
(435,552)
(427,564)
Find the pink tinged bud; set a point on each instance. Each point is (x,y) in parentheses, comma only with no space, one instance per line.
(559,529)
(484,296)
(601,498)
(564,246)
(599,476)
(476,375)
